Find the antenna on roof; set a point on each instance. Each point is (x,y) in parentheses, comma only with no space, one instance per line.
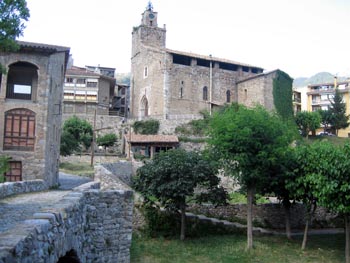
(149,6)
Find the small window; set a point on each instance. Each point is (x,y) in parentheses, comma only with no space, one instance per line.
(245,94)
(181,89)
(15,172)
(69,80)
(145,73)
(205,93)
(91,84)
(80,81)
(228,96)
(19,130)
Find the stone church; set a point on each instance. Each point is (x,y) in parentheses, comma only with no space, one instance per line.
(168,84)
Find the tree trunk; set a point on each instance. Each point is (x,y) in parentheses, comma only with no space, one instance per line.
(183,221)
(250,196)
(286,206)
(305,233)
(347,238)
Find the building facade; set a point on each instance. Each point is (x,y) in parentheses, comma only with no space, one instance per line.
(30,104)
(169,84)
(320,96)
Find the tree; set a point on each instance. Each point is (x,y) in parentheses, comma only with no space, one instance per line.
(13,13)
(307,121)
(249,143)
(326,119)
(4,166)
(107,140)
(76,133)
(172,178)
(338,108)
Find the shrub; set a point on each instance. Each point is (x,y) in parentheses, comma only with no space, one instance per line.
(146,127)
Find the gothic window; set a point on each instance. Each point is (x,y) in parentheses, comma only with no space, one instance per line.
(22,81)
(228,96)
(15,172)
(144,107)
(205,93)
(19,130)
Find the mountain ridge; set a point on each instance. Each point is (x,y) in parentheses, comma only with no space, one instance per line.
(318,78)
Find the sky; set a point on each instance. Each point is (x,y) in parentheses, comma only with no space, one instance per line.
(300,37)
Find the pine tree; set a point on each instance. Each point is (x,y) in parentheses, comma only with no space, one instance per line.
(340,120)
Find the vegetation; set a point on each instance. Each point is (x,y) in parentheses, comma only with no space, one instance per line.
(338,109)
(231,248)
(76,133)
(146,127)
(13,14)
(172,177)
(77,168)
(107,140)
(195,127)
(282,94)
(4,167)
(326,119)
(307,122)
(249,143)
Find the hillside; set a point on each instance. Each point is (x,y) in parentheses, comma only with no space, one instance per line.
(322,77)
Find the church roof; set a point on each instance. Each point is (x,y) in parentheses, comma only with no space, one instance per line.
(194,55)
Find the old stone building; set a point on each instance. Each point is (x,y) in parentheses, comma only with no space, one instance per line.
(169,84)
(30,105)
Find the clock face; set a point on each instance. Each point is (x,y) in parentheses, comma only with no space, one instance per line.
(151,16)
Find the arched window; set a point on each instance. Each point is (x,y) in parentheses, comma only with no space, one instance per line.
(205,93)
(228,96)
(19,130)
(181,89)
(144,107)
(22,81)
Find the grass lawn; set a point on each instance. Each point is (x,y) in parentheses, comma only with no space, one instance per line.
(231,248)
(82,169)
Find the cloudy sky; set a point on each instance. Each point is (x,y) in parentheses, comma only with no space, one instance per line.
(301,37)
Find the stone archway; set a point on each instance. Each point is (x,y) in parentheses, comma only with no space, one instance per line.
(70,257)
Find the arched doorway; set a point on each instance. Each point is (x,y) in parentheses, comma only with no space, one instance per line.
(144,107)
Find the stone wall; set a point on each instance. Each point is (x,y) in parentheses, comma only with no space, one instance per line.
(88,224)
(14,188)
(269,215)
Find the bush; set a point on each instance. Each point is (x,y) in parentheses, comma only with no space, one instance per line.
(146,127)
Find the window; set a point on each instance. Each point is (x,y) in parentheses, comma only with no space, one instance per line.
(91,84)
(68,95)
(205,93)
(245,94)
(181,89)
(145,73)
(144,107)
(80,81)
(228,96)
(91,95)
(69,80)
(80,95)
(19,130)
(15,172)
(22,81)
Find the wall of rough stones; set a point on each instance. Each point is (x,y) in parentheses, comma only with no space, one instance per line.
(14,188)
(269,215)
(91,224)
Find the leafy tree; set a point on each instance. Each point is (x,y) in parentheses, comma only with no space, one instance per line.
(249,142)
(107,140)
(172,178)
(307,121)
(13,13)
(340,120)
(4,167)
(326,119)
(76,133)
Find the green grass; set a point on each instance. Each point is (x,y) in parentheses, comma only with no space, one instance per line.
(232,248)
(238,198)
(82,169)
(333,139)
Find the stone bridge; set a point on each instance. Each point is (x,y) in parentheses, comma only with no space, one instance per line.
(91,223)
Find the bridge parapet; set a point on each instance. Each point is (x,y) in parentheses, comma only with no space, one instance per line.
(86,225)
(14,188)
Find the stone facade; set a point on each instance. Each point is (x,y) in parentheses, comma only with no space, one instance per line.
(30,103)
(169,84)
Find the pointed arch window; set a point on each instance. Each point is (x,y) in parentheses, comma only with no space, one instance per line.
(19,130)
(228,96)
(144,107)
(205,93)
